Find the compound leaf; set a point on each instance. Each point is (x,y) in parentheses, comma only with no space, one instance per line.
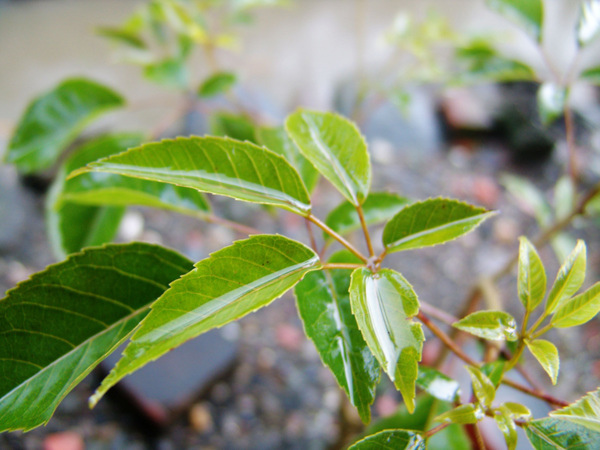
(556,434)
(527,14)
(391,439)
(54,119)
(217,165)
(579,309)
(431,222)
(383,304)
(323,303)
(532,276)
(547,355)
(585,412)
(493,325)
(229,284)
(569,279)
(58,325)
(336,148)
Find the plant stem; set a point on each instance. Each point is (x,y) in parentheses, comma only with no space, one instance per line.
(239,227)
(365,229)
(341,266)
(437,313)
(311,236)
(337,237)
(534,393)
(571,146)
(516,356)
(436,429)
(542,331)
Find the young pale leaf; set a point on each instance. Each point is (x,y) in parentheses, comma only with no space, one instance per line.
(217,165)
(483,388)
(171,73)
(391,439)
(463,414)
(234,126)
(323,303)
(527,14)
(431,222)
(507,427)
(54,119)
(277,140)
(493,325)
(379,207)
(217,84)
(336,148)
(556,434)
(532,276)
(122,36)
(437,384)
(494,371)
(579,309)
(569,279)
(584,412)
(547,355)
(383,304)
(530,198)
(551,100)
(231,283)
(58,325)
(516,410)
(588,25)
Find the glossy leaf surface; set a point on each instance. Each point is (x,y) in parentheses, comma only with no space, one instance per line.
(58,325)
(231,283)
(588,25)
(217,165)
(528,14)
(217,84)
(557,434)
(277,140)
(323,303)
(383,304)
(585,412)
(431,222)
(532,276)
(551,100)
(494,325)
(579,309)
(494,371)
(379,207)
(438,385)
(463,414)
(53,120)
(547,355)
(483,388)
(391,439)
(569,279)
(336,148)
(507,427)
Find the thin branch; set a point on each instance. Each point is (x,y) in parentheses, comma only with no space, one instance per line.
(437,313)
(311,235)
(337,237)
(534,393)
(341,266)
(436,429)
(365,229)
(239,227)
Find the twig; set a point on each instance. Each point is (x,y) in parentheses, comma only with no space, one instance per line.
(571,146)
(437,313)
(436,429)
(337,237)
(341,266)
(535,393)
(446,340)
(365,229)
(311,235)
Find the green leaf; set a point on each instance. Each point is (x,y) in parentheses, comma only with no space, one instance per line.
(483,388)
(336,148)
(569,279)
(528,195)
(323,303)
(379,207)
(528,14)
(579,309)
(383,304)
(170,73)
(391,439)
(584,412)
(551,100)
(564,197)
(231,283)
(217,165)
(463,414)
(217,84)
(516,410)
(277,140)
(431,222)
(547,355)
(494,371)
(507,427)
(122,36)
(532,276)
(493,325)
(588,25)
(93,188)
(53,120)
(58,325)
(437,384)
(235,126)
(555,434)
(591,75)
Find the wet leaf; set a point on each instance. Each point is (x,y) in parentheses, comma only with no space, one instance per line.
(277,140)
(494,325)
(323,303)
(483,388)
(516,410)
(556,434)
(383,304)
(463,414)
(579,309)
(54,119)
(547,355)
(588,25)
(437,384)
(379,207)
(391,439)
(529,15)
(217,84)
(431,222)
(336,148)
(217,165)
(507,427)
(494,371)
(551,100)
(58,325)
(226,286)
(532,276)
(569,279)
(584,412)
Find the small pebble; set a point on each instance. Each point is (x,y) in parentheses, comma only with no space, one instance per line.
(68,440)
(200,418)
